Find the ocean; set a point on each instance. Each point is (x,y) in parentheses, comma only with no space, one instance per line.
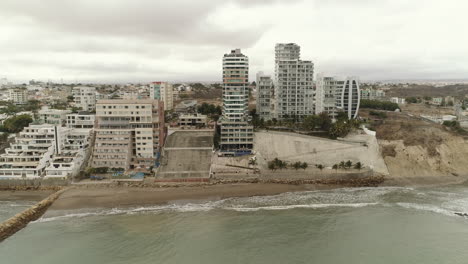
(350,225)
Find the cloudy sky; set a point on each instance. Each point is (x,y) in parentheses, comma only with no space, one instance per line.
(177,40)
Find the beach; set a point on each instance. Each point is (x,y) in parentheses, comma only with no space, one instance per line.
(101,197)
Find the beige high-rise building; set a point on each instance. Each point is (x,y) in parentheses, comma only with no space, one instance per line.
(163,91)
(129,133)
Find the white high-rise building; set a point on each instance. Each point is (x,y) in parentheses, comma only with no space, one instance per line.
(163,91)
(18,95)
(348,97)
(236,132)
(265,95)
(294,83)
(85,98)
(325,97)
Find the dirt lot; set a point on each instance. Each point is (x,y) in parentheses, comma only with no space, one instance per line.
(423,109)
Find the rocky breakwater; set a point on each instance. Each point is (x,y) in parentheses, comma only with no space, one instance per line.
(19,221)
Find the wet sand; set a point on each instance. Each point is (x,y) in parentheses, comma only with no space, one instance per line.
(95,197)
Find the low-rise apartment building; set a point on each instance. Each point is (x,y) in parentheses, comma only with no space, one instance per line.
(81,120)
(85,98)
(192,121)
(53,116)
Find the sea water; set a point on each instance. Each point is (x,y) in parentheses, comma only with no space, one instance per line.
(351,225)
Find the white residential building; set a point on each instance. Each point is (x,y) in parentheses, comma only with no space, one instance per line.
(18,95)
(85,98)
(372,94)
(163,91)
(236,132)
(326,94)
(294,87)
(37,146)
(348,97)
(265,96)
(53,116)
(398,100)
(81,120)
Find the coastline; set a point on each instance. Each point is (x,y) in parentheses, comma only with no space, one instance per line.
(124,197)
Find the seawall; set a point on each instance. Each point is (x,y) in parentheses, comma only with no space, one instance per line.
(20,220)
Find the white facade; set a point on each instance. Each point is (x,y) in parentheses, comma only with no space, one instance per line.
(398,100)
(348,97)
(265,95)
(80,120)
(53,116)
(294,87)
(85,98)
(236,133)
(163,91)
(37,146)
(18,95)
(372,94)
(326,94)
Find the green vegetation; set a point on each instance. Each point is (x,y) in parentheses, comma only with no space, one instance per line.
(454,126)
(11,109)
(16,123)
(413,100)
(209,109)
(348,165)
(380,105)
(378,114)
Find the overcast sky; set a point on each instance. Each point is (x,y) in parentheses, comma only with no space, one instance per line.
(144,40)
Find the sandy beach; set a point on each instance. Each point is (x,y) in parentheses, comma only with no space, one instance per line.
(96,197)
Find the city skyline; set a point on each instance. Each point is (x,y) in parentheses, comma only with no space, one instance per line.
(128,42)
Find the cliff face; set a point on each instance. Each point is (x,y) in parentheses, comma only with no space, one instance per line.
(422,152)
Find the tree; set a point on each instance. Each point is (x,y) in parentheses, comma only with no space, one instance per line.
(304,165)
(349,164)
(339,129)
(297,165)
(335,167)
(381,105)
(319,166)
(17,123)
(358,165)
(342,165)
(271,165)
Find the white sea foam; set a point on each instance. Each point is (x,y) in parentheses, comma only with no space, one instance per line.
(427,207)
(296,206)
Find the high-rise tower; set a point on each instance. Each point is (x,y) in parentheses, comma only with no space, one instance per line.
(294,87)
(236,133)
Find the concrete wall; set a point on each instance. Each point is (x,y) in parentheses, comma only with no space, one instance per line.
(10,183)
(293,147)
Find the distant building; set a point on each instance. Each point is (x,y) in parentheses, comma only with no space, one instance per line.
(53,116)
(81,120)
(294,83)
(85,98)
(437,101)
(372,94)
(129,133)
(398,100)
(187,106)
(163,91)
(348,97)
(18,96)
(236,132)
(265,95)
(192,121)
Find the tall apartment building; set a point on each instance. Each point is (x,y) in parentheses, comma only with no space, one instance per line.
(348,97)
(37,149)
(294,87)
(326,94)
(18,95)
(163,91)
(129,133)
(85,98)
(236,132)
(265,96)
